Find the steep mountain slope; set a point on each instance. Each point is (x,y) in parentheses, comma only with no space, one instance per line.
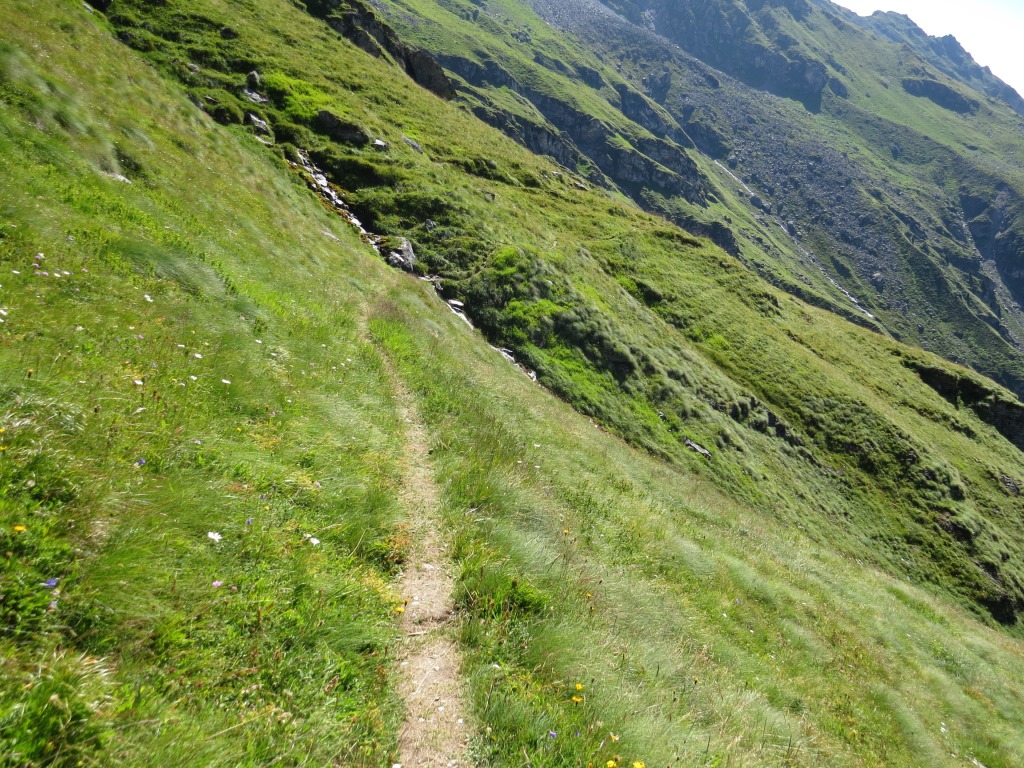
(669,342)
(806,551)
(944,53)
(806,103)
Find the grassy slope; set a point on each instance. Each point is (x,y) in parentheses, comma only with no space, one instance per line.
(117,483)
(498,31)
(927,300)
(698,624)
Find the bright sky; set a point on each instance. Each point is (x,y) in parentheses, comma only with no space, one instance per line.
(990,30)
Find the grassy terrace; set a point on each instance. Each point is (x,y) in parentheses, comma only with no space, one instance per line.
(200,450)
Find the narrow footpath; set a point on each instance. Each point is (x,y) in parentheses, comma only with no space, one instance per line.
(436,730)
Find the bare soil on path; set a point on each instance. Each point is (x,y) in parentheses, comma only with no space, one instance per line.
(436,732)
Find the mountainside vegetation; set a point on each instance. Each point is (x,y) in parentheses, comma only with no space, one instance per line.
(856,163)
(709,495)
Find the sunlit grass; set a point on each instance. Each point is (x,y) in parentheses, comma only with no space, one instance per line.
(754,609)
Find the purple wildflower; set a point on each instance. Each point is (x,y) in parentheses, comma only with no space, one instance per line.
(50,583)
(217,583)
(552,734)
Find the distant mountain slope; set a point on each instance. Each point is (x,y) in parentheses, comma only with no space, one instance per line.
(944,53)
(864,175)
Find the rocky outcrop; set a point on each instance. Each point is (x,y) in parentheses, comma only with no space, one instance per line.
(540,138)
(660,164)
(998,409)
(995,220)
(641,111)
(402,256)
(944,53)
(358,23)
(258,124)
(730,35)
(940,93)
(340,130)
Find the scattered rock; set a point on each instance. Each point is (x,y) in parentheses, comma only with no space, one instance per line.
(457,304)
(1010,485)
(227,33)
(254,97)
(253,80)
(697,448)
(340,130)
(259,125)
(415,145)
(192,67)
(403,257)
(380,145)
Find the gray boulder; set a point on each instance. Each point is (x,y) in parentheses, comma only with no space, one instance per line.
(258,123)
(402,257)
(254,97)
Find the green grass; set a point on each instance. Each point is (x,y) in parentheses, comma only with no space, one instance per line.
(802,598)
(700,630)
(125,445)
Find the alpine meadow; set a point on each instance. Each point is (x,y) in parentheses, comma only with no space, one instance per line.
(507,383)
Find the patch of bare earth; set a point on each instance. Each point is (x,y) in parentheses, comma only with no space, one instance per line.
(435,732)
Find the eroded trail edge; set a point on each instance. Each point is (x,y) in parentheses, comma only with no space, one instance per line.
(436,731)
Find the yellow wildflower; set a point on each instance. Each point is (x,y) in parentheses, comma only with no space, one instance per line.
(638,764)
(614,736)
(20,529)
(579,686)
(611,764)
(577,699)
(400,609)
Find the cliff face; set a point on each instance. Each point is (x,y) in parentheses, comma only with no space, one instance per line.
(738,39)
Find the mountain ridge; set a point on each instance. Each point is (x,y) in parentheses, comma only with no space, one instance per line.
(944,52)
